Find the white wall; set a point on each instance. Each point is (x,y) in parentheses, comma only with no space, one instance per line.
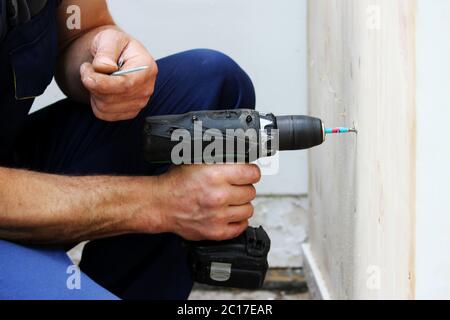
(433,150)
(266,37)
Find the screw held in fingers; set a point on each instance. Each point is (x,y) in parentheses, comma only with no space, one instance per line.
(128,71)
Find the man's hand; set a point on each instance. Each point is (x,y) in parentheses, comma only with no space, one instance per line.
(90,54)
(205,202)
(120,97)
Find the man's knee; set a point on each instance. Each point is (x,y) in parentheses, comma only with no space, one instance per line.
(212,65)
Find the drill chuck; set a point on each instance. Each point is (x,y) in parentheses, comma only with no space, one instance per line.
(299,132)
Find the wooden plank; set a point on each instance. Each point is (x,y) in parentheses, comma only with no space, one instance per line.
(362,188)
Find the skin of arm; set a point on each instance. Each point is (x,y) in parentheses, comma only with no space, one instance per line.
(49,209)
(196,202)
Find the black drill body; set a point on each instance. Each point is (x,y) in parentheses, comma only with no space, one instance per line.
(240,136)
(268,134)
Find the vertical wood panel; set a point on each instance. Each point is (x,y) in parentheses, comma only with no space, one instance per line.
(362,188)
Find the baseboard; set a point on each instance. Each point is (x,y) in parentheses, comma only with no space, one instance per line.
(317,286)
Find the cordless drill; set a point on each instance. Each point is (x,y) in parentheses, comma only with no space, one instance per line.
(226,136)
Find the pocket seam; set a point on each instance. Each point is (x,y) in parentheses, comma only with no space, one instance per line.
(17,50)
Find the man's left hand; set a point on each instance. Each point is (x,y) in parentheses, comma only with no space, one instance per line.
(115,98)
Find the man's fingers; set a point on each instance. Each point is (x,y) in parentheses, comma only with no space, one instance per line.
(243,174)
(239,213)
(111,117)
(231,231)
(102,84)
(236,229)
(107,48)
(240,195)
(118,106)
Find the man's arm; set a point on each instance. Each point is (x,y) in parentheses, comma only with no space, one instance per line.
(197,202)
(89,54)
(42,208)
(74,45)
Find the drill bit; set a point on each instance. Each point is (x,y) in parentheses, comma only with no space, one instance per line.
(340,130)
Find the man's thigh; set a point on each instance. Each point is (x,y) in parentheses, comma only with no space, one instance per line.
(37,273)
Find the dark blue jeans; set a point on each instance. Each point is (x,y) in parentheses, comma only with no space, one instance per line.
(66,138)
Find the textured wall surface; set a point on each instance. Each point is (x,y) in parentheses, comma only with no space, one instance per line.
(362,188)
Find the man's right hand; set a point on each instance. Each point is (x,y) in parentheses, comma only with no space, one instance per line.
(205,202)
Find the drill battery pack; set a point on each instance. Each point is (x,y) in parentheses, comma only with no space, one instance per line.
(238,263)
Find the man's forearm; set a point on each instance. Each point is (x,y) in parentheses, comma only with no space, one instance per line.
(42,208)
(75,44)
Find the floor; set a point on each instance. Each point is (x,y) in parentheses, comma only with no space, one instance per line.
(246,295)
(281,284)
